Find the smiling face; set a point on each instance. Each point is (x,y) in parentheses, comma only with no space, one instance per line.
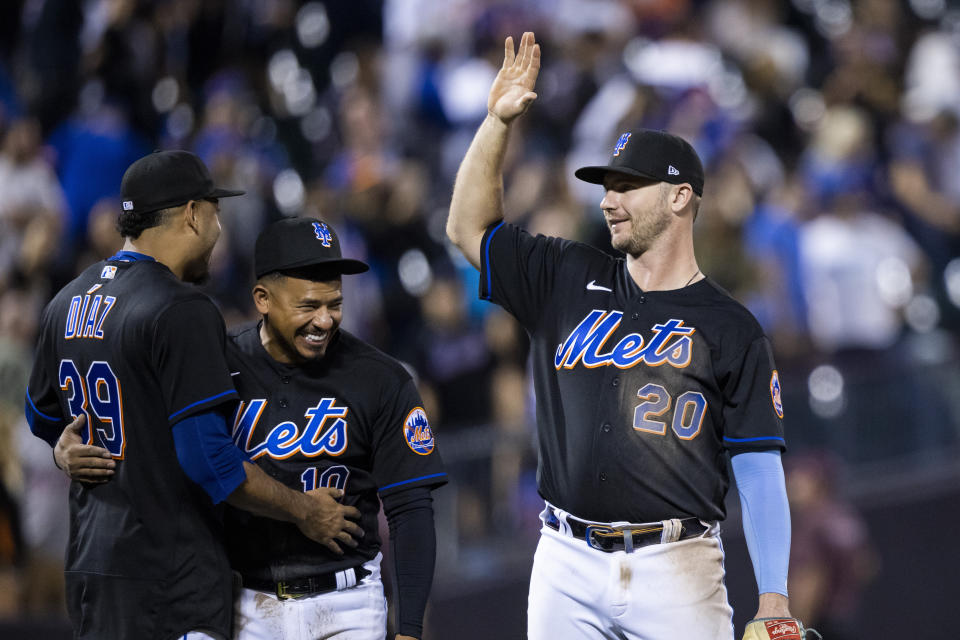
(300,316)
(636,211)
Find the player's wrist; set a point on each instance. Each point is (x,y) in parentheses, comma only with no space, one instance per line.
(773,605)
(498,121)
(301,507)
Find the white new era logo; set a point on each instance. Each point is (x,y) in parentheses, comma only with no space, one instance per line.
(128,205)
(672,171)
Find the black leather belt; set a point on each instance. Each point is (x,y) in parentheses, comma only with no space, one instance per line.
(309,586)
(626,537)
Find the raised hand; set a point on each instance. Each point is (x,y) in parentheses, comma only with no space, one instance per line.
(82,462)
(512,91)
(327,521)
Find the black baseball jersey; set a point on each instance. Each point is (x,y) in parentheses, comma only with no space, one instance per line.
(639,394)
(352,420)
(136,350)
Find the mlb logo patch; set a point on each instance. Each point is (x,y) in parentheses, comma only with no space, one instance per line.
(417,432)
(783,629)
(108,272)
(775,393)
(128,205)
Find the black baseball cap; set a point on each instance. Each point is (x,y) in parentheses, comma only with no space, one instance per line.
(167,179)
(293,243)
(657,155)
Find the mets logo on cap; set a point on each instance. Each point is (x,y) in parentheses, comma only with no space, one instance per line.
(775,393)
(323,233)
(621,143)
(417,431)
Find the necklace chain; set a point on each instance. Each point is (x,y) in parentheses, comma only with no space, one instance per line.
(692,277)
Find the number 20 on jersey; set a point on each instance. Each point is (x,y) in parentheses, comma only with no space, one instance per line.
(687,416)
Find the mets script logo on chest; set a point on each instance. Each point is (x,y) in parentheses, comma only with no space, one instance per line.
(587,344)
(325,432)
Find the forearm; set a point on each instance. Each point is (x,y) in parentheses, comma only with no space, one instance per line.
(316,513)
(766,518)
(413,545)
(209,457)
(263,496)
(477,200)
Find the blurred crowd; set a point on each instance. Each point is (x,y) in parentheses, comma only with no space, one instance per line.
(830,132)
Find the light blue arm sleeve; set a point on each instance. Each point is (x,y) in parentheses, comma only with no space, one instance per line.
(208,455)
(766,517)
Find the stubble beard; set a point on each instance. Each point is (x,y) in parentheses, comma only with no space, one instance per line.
(645,228)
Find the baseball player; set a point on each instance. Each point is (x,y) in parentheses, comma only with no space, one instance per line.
(136,356)
(647,376)
(321,408)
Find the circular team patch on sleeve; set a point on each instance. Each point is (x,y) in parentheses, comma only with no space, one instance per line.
(775,393)
(417,431)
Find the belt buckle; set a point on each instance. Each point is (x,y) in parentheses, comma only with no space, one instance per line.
(605,534)
(283,592)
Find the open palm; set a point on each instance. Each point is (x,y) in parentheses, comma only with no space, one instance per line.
(512,90)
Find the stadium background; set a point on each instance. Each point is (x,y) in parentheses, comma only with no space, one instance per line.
(829,129)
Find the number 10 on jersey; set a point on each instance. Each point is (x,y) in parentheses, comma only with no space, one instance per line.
(687,417)
(334,477)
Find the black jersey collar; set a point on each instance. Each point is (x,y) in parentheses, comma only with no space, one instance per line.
(634,288)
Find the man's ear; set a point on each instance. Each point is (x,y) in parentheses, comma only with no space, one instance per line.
(261,298)
(681,196)
(191,215)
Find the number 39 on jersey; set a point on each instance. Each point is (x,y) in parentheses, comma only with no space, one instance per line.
(95,393)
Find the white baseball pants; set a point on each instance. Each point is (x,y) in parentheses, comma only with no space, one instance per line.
(356,613)
(657,592)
